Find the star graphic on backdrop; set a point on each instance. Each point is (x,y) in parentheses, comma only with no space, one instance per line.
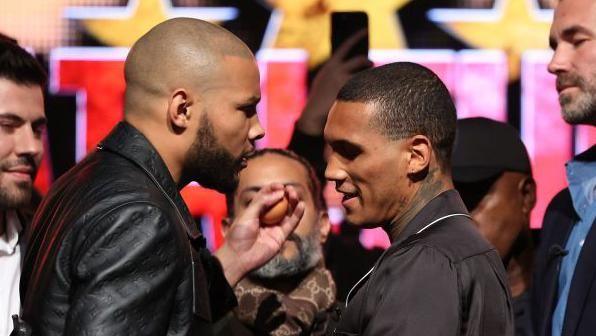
(306,24)
(122,26)
(511,25)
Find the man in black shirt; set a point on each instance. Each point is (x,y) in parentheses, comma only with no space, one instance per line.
(391,132)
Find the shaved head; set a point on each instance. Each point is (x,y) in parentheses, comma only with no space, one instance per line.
(191,89)
(178,53)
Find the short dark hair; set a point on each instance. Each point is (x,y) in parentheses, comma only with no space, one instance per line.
(314,185)
(18,66)
(409,99)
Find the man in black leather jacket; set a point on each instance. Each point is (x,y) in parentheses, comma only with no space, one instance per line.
(113,249)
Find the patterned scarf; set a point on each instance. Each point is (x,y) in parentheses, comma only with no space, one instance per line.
(271,312)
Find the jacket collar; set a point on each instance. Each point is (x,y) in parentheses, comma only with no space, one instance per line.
(130,143)
(446,203)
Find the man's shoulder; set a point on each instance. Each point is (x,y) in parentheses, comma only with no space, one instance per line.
(101,167)
(103,184)
(104,176)
(451,250)
(456,239)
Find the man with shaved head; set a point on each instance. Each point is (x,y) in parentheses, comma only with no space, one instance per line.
(113,248)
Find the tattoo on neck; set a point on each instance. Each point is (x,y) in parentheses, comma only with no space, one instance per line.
(431,185)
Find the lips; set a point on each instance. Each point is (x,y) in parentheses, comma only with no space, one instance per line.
(21,172)
(561,88)
(347,196)
(565,81)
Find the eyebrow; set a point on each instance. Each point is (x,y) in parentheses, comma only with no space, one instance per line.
(256,188)
(568,33)
(345,144)
(253,100)
(576,29)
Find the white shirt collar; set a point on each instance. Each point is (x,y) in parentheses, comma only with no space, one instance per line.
(10,239)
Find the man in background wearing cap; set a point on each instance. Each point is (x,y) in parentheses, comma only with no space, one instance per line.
(564,286)
(491,170)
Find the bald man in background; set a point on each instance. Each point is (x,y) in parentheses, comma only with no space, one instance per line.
(113,248)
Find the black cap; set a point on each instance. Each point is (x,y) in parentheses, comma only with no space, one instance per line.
(485,148)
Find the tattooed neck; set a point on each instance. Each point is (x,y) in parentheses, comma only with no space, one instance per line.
(431,185)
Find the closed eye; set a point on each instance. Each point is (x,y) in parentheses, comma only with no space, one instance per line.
(346,149)
(249,110)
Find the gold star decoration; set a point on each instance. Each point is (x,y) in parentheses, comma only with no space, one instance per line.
(511,25)
(306,24)
(122,26)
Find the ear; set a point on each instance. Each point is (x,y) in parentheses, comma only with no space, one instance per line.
(179,110)
(225,225)
(420,152)
(527,189)
(324,226)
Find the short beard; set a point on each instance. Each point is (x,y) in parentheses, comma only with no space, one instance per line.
(582,111)
(11,199)
(20,195)
(207,162)
(309,254)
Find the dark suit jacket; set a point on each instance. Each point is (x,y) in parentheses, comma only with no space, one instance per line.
(580,316)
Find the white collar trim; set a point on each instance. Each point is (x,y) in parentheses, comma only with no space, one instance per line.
(10,239)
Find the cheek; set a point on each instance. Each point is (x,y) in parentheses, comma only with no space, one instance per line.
(485,222)
(584,62)
(492,216)
(385,182)
(232,133)
(307,223)
(7,146)
(496,225)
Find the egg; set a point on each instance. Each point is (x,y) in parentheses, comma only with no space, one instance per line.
(276,213)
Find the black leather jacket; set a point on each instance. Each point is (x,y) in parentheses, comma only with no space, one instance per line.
(113,250)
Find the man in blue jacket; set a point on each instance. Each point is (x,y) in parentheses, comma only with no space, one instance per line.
(564,295)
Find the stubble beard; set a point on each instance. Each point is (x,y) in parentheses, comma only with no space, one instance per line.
(308,256)
(15,196)
(582,109)
(18,194)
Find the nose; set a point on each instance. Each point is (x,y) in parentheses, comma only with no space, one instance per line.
(560,60)
(28,142)
(256,131)
(334,171)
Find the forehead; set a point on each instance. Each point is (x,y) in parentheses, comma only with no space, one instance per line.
(569,13)
(272,168)
(237,72)
(25,101)
(350,121)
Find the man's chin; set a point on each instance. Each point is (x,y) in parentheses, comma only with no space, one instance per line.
(353,218)
(16,197)
(361,222)
(574,115)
